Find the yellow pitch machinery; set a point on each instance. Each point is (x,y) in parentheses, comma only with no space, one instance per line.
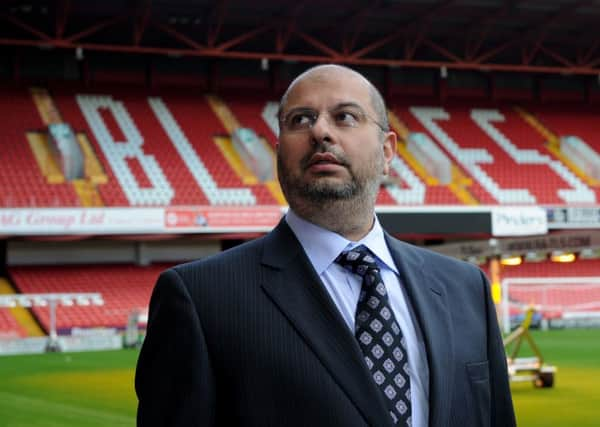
(533,368)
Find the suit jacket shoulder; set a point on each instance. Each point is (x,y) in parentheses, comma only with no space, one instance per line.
(277,351)
(434,262)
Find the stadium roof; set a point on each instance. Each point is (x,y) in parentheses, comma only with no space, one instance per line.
(543,36)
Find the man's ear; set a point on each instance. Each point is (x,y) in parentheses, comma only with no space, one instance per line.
(389,150)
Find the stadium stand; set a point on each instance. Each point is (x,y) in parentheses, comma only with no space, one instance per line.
(22,182)
(491,144)
(248,109)
(554,288)
(580,268)
(571,119)
(259,113)
(124,288)
(9,327)
(172,150)
(178,133)
(16,321)
(495,86)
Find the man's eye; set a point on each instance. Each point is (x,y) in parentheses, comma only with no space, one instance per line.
(346,118)
(301,119)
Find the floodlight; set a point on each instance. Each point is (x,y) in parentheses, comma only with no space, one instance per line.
(264,64)
(511,260)
(559,256)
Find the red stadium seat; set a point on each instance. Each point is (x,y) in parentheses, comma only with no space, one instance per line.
(124,288)
(9,327)
(520,156)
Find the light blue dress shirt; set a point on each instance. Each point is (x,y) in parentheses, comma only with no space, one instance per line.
(322,248)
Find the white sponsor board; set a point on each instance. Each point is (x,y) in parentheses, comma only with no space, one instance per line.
(36,345)
(517,221)
(39,345)
(91,342)
(506,221)
(195,219)
(80,221)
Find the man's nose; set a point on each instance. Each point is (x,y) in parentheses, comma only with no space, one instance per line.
(321,129)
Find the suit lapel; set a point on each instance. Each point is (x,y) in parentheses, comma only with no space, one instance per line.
(428,299)
(297,291)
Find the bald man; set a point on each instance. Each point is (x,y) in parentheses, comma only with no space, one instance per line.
(327,320)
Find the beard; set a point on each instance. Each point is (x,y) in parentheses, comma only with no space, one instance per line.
(362,185)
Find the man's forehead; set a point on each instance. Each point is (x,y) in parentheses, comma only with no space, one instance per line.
(334,76)
(335,86)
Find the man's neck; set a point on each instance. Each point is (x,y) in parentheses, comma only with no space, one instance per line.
(348,218)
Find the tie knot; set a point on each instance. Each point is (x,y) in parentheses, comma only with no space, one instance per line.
(358,260)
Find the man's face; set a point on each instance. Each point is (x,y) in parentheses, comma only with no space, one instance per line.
(330,147)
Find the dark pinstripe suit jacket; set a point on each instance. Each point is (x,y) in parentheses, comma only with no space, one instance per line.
(250,337)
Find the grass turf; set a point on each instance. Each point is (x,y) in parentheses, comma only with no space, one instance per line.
(574,401)
(90,389)
(96,389)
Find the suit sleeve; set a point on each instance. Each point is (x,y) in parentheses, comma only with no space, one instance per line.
(502,412)
(173,379)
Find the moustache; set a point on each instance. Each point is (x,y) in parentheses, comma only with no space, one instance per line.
(320,154)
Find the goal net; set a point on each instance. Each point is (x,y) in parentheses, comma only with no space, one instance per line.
(559,301)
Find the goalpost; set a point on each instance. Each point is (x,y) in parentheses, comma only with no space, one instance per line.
(561,301)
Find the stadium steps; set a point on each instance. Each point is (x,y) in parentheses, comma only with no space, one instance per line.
(459,185)
(235,161)
(402,149)
(39,142)
(245,174)
(553,145)
(44,158)
(275,190)
(231,123)
(415,165)
(93,168)
(23,184)
(87,193)
(537,125)
(222,111)
(45,106)
(85,190)
(459,180)
(403,133)
(398,126)
(23,316)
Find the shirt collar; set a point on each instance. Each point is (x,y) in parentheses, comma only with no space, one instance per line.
(322,246)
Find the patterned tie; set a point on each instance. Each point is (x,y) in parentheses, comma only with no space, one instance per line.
(379,335)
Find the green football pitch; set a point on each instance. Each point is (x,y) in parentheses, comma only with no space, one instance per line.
(96,389)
